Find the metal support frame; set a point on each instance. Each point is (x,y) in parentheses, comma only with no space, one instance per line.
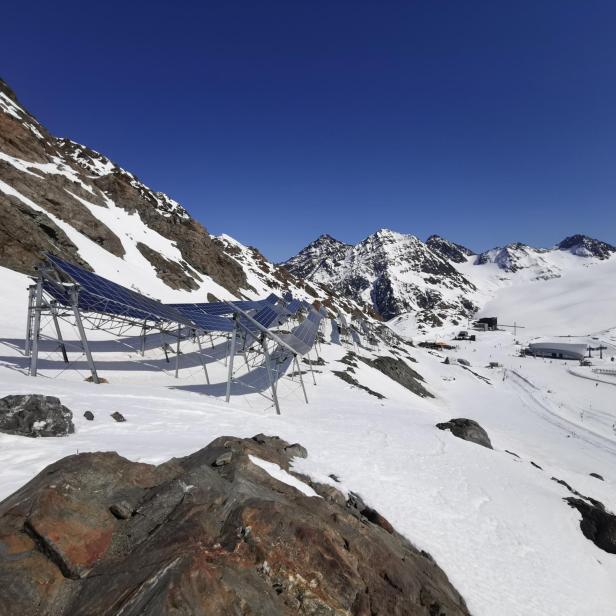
(36,331)
(177,352)
(207,376)
(301,380)
(268,366)
(54,315)
(231,356)
(143,330)
(314,381)
(82,334)
(31,295)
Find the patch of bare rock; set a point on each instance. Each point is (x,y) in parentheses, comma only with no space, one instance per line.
(212,533)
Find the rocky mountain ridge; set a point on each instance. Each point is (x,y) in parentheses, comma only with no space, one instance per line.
(436,279)
(394,272)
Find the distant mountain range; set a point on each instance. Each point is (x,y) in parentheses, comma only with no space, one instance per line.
(438,280)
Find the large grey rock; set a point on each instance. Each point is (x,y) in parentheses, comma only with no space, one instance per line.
(96,534)
(468,430)
(597,524)
(35,415)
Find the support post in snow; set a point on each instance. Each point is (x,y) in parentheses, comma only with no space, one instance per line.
(54,316)
(38,307)
(82,334)
(301,380)
(314,381)
(31,295)
(177,352)
(207,376)
(230,357)
(268,367)
(143,330)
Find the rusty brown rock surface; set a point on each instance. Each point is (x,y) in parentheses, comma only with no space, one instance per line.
(96,534)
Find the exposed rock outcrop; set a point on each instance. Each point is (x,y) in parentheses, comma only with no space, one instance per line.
(448,250)
(597,524)
(468,430)
(96,534)
(584,246)
(35,415)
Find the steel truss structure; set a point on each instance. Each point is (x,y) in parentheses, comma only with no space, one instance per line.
(64,290)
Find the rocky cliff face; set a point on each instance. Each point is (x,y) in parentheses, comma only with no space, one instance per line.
(584,246)
(227,530)
(394,272)
(448,250)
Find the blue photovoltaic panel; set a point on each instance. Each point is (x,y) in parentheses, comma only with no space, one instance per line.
(206,322)
(302,338)
(224,308)
(97,294)
(294,306)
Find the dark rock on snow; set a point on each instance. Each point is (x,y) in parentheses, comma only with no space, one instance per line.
(89,415)
(35,415)
(96,534)
(118,416)
(597,476)
(597,524)
(399,371)
(468,430)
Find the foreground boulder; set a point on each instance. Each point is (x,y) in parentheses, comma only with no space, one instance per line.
(468,430)
(35,415)
(96,534)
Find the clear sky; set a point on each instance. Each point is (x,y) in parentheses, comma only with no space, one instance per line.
(483,121)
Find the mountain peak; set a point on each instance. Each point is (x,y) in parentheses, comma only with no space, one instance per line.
(448,250)
(585,246)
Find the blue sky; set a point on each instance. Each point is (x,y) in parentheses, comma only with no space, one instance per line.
(486,122)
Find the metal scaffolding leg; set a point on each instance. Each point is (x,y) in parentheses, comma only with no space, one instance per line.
(28,344)
(37,326)
(54,316)
(82,335)
(268,366)
(301,380)
(177,352)
(207,376)
(311,370)
(230,361)
(143,330)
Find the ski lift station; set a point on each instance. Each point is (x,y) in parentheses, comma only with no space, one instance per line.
(558,350)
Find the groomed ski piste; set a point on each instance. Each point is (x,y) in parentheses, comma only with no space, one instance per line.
(496,523)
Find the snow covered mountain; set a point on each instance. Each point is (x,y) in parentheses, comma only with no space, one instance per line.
(394,272)
(438,281)
(61,197)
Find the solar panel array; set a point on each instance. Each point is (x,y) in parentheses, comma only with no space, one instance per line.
(97,294)
(100,295)
(203,320)
(225,308)
(294,306)
(302,338)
